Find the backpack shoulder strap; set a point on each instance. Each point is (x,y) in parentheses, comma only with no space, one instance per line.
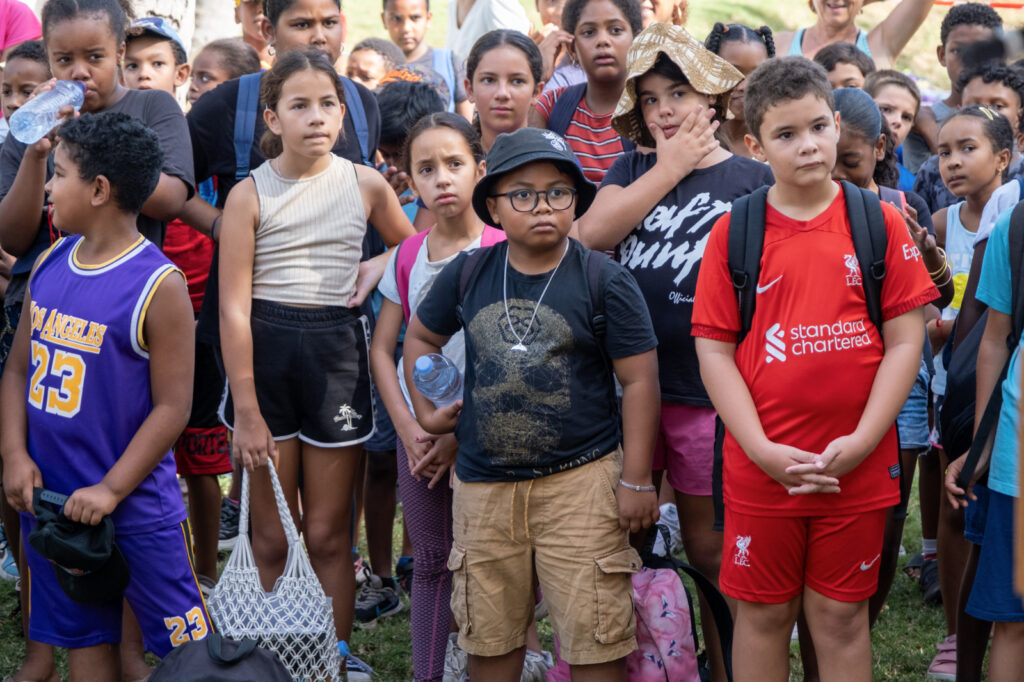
(595,266)
(867,228)
(442,65)
(491,236)
(564,107)
(246,111)
(354,108)
(405,259)
(469,267)
(1017,270)
(746,242)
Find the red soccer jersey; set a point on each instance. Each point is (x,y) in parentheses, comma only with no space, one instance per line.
(811,355)
(591,137)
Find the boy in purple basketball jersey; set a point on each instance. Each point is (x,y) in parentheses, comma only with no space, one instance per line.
(97,388)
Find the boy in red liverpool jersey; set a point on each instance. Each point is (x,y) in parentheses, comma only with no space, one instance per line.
(810,399)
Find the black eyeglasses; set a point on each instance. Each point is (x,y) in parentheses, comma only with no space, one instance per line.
(525,200)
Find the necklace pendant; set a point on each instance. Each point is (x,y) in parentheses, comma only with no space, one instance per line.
(520,348)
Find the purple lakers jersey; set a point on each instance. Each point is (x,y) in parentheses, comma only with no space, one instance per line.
(88,377)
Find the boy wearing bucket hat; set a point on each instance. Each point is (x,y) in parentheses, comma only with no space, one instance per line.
(656,210)
(543,489)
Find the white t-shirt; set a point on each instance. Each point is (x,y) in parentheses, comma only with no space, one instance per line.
(1004,198)
(421,278)
(483,16)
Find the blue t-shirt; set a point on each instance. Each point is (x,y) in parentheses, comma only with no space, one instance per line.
(995,289)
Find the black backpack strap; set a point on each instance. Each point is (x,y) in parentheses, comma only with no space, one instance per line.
(564,107)
(469,266)
(867,227)
(215,647)
(746,242)
(595,266)
(978,455)
(1016,239)
(719,611)
(715,601)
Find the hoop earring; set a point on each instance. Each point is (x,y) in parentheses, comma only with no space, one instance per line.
(271,51)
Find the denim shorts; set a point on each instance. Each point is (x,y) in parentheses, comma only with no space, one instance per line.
(912,421)
(993,596)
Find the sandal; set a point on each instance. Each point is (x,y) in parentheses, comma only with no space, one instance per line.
(943,666)
(929,582)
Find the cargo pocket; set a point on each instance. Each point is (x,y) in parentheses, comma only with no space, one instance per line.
(460,580)
(613,587)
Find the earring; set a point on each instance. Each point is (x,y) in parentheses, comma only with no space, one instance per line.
(271,51)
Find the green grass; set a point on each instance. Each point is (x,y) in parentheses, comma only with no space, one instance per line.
(363,18)
(903,641)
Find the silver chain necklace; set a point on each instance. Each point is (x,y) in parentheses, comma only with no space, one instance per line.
(521,347)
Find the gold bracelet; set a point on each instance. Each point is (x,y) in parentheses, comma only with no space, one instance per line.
(941,271)
(949,279)
(945,262)
(944,266)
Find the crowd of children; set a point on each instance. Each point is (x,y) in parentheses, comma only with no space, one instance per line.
(669,268)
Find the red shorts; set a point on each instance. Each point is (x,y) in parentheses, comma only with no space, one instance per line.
(769,559)
(685,447)
(200,452)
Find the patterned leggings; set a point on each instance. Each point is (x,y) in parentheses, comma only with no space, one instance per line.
(428,515)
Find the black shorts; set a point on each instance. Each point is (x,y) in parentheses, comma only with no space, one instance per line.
(312,374)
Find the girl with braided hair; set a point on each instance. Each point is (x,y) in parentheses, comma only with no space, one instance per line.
(744,48)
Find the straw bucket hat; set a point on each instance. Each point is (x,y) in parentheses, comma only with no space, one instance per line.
(706,71)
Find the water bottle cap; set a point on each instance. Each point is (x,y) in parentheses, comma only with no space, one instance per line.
(424,363)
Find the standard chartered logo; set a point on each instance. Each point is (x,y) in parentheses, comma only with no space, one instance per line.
(810,339)
(775,346)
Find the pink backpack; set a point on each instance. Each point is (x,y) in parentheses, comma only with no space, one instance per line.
(666,634)
(410,248)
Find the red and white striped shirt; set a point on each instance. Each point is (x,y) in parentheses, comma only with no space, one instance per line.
(591,136)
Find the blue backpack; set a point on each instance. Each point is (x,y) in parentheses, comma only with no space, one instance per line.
(442,66)
(247,109)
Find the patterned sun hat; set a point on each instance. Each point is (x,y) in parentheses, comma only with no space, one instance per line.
(707,72)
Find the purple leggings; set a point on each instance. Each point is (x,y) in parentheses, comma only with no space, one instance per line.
(428,516)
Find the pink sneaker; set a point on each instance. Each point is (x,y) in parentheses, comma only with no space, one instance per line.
(943,666)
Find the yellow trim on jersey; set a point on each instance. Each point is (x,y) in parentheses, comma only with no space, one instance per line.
(186,532)
(140,337)
(39,261)
(79,264)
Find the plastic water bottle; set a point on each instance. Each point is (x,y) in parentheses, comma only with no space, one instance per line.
(438,379)
(39,115)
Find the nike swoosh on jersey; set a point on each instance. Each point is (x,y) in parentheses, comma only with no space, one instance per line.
(766,287)
(864,566)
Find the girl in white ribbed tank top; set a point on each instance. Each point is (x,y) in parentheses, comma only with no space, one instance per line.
(295,352)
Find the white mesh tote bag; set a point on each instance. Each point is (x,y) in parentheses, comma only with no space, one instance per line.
(295,619)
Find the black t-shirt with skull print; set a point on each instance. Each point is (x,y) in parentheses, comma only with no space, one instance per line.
(532,413)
